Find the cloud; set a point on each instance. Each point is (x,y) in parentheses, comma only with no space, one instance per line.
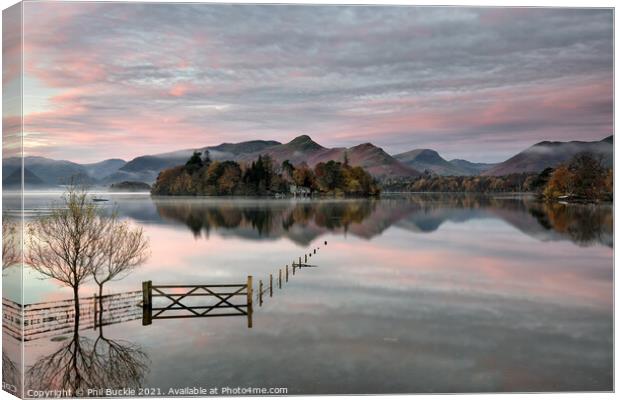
(455,79)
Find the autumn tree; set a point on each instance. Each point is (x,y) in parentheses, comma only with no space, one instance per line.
(588,175)
(560,183)
(303,176)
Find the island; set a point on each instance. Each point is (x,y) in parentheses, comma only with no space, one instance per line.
(130,186)
(201,176)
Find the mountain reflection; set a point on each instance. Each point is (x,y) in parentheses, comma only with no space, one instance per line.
(304,221)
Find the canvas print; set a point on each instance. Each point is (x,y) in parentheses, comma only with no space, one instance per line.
(242,199)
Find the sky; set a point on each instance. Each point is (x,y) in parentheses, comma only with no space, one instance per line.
(110,80)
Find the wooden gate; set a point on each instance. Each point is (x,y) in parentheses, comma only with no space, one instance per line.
(179,301)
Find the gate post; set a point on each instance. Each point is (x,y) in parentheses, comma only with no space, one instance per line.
(147,303)
(249,292)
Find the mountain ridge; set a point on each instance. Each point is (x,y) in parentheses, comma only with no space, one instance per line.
(547,154)
(303,149)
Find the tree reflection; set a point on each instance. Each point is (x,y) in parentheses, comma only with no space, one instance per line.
(583,224)
(265,220)
(10,373)
(302,222)
(82,363)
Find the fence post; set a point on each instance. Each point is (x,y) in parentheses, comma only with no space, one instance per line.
(299,262)
(314,251)
(94,311)
(260,292)
(270,285)
(326,243)
(147,304)
(280,279)
(305,258)
(293,268)
(287,272)
(249,290)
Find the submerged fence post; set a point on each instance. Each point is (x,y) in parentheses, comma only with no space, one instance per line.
(94,311)
(287,272)
(270,285)
(293,268)
(147,304)
(260,293)
(305,258)
(280,279)
(314,251)
(299,262)
(249,290)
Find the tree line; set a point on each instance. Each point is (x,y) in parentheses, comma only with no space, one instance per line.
(201,176)
(427,182)
(583,178)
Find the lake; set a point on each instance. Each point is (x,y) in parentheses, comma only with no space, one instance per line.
(412,294)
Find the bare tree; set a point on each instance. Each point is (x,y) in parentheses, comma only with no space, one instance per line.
(64,245)
(119,251)
(10,250)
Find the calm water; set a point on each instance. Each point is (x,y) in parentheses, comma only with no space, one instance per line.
(420,293)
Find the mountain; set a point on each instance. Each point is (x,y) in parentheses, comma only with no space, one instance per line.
(303,149)
(299,150)
(146,168)
(377,162)
(14,180)
(471,168)
(236,149)
(51,172)
(429,160)
(104,168)
(549,154)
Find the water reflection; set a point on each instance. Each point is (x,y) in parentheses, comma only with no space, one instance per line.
(83,363)
(302,222)
(583,224)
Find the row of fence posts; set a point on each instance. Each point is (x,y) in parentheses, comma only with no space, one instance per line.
(147,289)
(263,290)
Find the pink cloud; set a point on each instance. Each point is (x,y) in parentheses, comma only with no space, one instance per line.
(180,89)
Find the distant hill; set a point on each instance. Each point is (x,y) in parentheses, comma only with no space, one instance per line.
(429,160)
(146,168)
(377,162)
(549,154)
(471,168)
(299,150)
(303,149)
(104,168)
(241,148)
(31,180)
(51,172)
